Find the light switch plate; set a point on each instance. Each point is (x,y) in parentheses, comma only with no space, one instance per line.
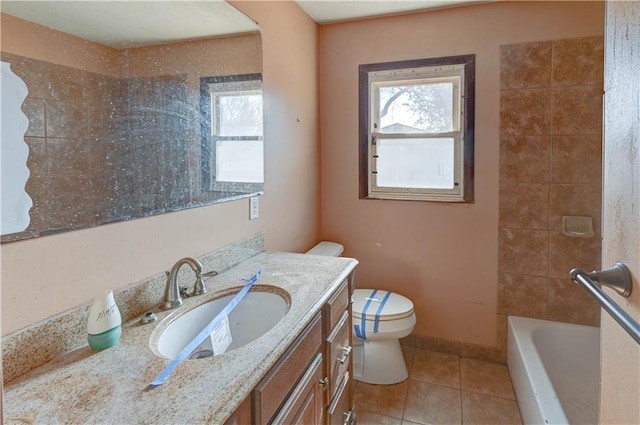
(253,208)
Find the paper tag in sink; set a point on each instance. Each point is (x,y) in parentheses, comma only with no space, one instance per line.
(216,344)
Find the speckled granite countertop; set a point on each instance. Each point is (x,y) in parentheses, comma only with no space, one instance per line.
(108,387)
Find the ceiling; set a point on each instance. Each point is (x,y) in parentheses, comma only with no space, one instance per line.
(148,22)
(134,23)
(328,11)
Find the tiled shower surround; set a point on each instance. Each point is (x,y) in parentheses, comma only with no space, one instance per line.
(550,167)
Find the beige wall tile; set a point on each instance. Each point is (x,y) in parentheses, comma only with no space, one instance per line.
(524,158)
(523,251)
(408,341)
(408,353)
(525,65)
(576,110)
(570,302)
(33,108)
(524,205)
(578,61)
(482,353)
(31,71)
(478,409)
(576,159)
(523,295)
(486,378)
(433,404)
(501,324)
(437,344)
(566,253)
(436,368)
(525,111)
(574,200)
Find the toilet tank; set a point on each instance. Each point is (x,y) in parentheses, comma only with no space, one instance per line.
(328,249)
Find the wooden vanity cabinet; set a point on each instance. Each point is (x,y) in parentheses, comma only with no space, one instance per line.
(338,355)
(310,384)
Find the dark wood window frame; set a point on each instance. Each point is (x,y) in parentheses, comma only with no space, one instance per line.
(468,125)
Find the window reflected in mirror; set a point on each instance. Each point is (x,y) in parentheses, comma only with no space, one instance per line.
(232,141)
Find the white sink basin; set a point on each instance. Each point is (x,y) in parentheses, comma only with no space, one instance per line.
(254,315)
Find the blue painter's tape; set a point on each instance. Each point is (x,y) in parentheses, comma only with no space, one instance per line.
(204,333)
(356,329)
(363,320)
(379,311)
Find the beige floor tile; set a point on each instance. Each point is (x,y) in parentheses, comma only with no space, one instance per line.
(432,404)
(486,378)
(406,422)
(367,418)
(436,368)
(387,400)
(479,409)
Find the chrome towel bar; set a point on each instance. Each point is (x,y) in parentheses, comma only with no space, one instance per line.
(617,278)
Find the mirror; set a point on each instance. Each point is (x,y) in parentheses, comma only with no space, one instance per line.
(135,108)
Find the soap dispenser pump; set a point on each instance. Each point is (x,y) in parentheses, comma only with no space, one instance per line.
(104,325)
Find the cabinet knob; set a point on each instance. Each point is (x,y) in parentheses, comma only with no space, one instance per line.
(324,381)
(346,351)
(349,417)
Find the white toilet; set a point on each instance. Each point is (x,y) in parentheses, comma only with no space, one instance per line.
(379,318)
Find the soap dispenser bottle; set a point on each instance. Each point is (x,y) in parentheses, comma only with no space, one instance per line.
(104,325)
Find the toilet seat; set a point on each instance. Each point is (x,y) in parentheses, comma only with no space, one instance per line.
(382,305)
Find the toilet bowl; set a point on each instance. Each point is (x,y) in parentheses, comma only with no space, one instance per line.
(379,319)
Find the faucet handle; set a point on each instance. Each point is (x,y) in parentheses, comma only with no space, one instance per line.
(198,288)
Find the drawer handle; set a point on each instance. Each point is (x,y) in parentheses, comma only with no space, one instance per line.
(349,417)
(346,351)
(324,381)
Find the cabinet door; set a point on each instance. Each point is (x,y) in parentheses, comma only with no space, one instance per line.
(305,405)
(338,354)
(339,411)
(272,391)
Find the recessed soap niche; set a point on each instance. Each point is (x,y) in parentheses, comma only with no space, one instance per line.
(577,227)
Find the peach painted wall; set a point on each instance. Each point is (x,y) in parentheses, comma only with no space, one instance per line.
(47,275)
(215,56)
(38,42)
(442,256)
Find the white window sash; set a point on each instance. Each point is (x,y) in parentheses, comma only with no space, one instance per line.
(454,194)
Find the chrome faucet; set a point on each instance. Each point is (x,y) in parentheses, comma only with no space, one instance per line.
(172,297)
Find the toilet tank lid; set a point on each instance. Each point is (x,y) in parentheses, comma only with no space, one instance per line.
(396,307)
(328,249)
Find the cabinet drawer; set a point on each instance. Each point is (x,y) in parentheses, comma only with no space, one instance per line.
(338,354)
(336,306)
(339,411)
(305,405)
(271,392)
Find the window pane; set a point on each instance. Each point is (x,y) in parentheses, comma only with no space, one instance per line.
(416,108)
(239,161)
(415,163)
(240,115)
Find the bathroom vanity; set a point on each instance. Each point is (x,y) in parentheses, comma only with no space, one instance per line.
(297,372)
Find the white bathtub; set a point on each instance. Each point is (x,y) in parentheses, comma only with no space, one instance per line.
(555,369)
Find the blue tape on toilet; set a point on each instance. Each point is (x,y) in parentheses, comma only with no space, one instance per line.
(379,311)
(363,321)
(356,329)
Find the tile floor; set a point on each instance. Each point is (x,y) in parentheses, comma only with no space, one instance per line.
(442,389)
